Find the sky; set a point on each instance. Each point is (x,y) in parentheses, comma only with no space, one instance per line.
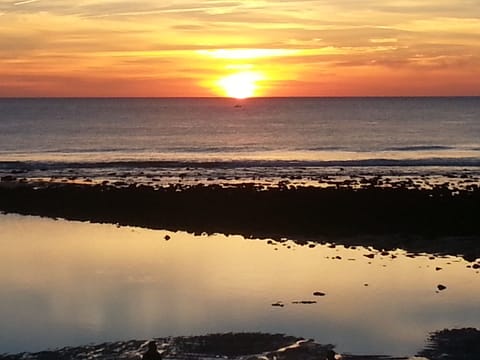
(239,48)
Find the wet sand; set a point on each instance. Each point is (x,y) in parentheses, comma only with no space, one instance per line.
(439,220)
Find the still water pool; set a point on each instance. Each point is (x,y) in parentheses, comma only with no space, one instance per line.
(72,283)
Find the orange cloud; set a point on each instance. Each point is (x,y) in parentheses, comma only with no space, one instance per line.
(301,48)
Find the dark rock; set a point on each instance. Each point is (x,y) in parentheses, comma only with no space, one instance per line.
(8,178)
(232,344)
(453,344)
(305,302)
(441,287)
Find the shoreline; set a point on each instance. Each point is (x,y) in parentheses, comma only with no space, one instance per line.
(440,221)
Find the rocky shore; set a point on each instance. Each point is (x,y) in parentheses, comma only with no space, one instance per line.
(449,344)
(438,220)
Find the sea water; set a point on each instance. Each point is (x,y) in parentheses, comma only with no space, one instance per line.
(67,283)
(277,133)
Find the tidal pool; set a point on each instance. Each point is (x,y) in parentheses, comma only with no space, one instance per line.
(68,283)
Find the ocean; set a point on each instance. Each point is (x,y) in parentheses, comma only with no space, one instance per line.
(94,272)
(205,138)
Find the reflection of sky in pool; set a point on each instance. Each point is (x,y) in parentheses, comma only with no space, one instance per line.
(70,283)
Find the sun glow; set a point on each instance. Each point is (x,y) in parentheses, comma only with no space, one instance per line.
(240,85)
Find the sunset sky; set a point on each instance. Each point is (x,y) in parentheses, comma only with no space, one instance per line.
(270,48)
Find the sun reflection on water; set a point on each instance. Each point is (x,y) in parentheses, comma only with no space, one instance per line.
(76,283)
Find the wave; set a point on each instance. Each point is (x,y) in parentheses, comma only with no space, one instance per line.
(233,164)
(326,148)
(420,148)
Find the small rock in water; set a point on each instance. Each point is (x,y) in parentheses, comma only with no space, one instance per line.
(441,287)
(278,304)
(438,268)
(306,302)
(319,293)
(167,237)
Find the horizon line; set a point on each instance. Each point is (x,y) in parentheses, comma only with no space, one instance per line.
(243,99)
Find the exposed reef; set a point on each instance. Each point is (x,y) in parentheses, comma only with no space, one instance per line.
(447,344)
(436,220)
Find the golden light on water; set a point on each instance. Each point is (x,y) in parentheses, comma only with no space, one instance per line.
(70,275)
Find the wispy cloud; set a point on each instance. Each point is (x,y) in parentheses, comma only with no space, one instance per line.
(292,38)
(24,2)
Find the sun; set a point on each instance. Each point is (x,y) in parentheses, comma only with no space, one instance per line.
(240,85)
